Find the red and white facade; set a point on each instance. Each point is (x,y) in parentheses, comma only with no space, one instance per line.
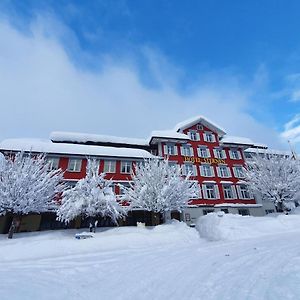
(215,160)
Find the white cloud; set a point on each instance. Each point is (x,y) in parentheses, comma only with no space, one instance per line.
(43,90)
(292,130)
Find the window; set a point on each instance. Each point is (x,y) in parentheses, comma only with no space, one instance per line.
(219,153)
(203,152)
(225,210)
(207,171)
(189,169)
(228,191)
(199,127)
(126,167)
(207,211)
(109,166)
(52,163)
(244,212)
(209,137)
(194,135)
(170,149)
(238,172)
(243,191)
(235,154)
(74,165)
(210,191)
(197,191)
(187,150)
(223,171)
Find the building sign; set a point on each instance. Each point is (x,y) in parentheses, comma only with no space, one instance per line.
(204,160)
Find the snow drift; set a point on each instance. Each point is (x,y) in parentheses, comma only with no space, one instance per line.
(220,226)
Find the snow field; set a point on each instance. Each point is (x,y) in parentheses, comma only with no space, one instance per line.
(165,262)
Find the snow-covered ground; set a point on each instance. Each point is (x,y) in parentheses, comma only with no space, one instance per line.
(249,258)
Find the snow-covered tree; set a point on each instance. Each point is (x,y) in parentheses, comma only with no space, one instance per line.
(275,178)
(27,185)
(92,196)
(159,187)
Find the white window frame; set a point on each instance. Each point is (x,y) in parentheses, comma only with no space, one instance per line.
(53,163)
(110,165)
(209,137)
(204,169)
(127,164)
(194,135)
(187,166)
(234,156)
(74,165)
(207,192)
(197,188)
(187,150)
(239,171)
(200,154)
(219,153)
(241,193)
(232,190)
(168,147)
(223,167)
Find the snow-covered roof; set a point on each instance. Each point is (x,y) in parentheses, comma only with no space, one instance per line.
(268,151)
(200,119)
(170,134)
(75,137)
(237,140)
(46,146)
(237,205)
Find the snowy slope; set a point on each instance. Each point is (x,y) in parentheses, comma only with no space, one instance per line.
(167,262)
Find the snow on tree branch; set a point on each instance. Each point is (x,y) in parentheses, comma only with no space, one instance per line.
(159,187)
(92,196)
(27,185)
(275,178)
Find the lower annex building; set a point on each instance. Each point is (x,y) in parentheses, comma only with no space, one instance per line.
(215,160)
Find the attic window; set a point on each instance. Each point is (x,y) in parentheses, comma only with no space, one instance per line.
(199,127)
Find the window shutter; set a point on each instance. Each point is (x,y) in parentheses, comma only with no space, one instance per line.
(233,192)
(201,171)
(194,170)
(215,153)
(213,137)
(217,191)
(238,188)
(229,172)
(198,151)
(208,152)
(212,171)
(234,172)
(219,172)
(230,154)
(165,150)
(183,170)
(192,151)
(181,151)
(204,191)
(223,154)
(239,154)
(175,150)
(198,136)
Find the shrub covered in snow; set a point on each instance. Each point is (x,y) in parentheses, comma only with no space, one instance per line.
(159,187)
(92,196)
(27,185)
(275,178)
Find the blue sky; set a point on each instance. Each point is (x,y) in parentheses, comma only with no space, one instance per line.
(129,67)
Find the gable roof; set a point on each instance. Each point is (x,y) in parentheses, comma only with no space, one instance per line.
(200,119)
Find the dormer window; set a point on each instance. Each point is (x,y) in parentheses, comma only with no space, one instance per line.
(199,127)
(209,137)
(194,135)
